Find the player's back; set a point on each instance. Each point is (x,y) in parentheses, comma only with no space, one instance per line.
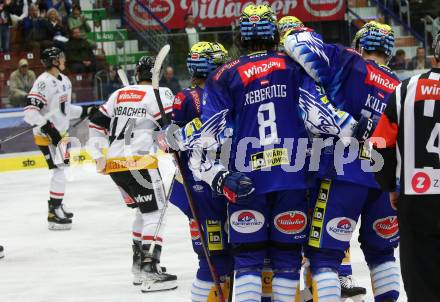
(52,97)
(362,88)
(261,92)
(134,115)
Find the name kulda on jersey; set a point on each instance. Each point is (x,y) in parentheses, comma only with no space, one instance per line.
(131,111)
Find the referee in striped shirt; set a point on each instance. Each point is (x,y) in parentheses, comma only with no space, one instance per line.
(408,138)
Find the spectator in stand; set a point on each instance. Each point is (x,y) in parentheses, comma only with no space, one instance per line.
(20,83)
(398,62)
(5,22)
(19,11)
(191,30)
(79,53)
(76,20)
(170,81)
(57,31)
(36,31)
(64,7)
(111,81)
(419,61)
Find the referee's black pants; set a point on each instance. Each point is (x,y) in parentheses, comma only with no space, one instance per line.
(419,225)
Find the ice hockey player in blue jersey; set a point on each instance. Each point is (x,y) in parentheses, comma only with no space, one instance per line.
(359,83)
(203,59)
(265,182)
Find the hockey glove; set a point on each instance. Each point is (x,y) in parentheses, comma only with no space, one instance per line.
(235,186)
(52,132)
(363,129)
(88,111)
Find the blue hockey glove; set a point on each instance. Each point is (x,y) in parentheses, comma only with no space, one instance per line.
(235,186)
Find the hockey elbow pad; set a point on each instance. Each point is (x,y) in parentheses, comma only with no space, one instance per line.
(52,132)
(235,186)
(307,48)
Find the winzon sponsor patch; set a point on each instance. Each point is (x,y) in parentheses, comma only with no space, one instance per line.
(291,222)
(341,228)
(427,90)
(386,227)
(254,70)
(380,79)
(247,221)
(130,96)
(270,158)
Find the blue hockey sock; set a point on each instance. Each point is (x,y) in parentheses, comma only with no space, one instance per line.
(385,280)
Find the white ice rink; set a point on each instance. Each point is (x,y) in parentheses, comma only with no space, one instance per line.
(91,262)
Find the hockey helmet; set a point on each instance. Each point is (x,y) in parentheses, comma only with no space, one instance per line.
(205,57)
(144,68)
(286,23)
(49,55)
(377,37)
(258,22)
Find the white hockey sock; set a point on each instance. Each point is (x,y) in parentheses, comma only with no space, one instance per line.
(57,184)
(385,278)
(326,283)
(138,224)
(247,287)
(200,290)
(284,290)
(149,225)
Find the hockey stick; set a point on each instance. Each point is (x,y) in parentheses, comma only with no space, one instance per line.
(161,218)
(166,121)
(123,76)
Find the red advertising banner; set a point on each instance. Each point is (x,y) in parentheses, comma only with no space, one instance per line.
(219,13)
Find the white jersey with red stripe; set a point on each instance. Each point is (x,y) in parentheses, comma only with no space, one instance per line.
(133,116)
(50,99)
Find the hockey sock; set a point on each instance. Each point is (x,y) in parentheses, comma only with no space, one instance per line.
(55,202)
(284,286)
(326,286)
(247,285)
(137,227)
(57,187)
(200,290)
(385,280)
(345,267)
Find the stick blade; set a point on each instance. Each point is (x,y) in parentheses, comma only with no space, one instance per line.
(123,76)
(160,58)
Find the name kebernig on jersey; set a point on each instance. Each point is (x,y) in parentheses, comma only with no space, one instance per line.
(269,92)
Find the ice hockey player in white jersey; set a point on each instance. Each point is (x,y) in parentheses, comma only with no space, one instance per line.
(125,125)
(49,109)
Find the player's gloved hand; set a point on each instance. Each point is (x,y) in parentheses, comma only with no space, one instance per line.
(235,186)
(50,130)
(363,129)
(169,139)
(88,111)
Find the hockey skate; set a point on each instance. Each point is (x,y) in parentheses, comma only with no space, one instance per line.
(57,220)
(66,213)
(350,291)
(2,252)
(154,279)
(138,277)
(138,258)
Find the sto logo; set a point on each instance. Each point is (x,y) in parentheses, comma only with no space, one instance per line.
(247,221)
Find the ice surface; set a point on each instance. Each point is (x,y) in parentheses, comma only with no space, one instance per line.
(91,262)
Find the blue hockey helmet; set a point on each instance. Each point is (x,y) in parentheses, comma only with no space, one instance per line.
(377,36)
(205,57)
(258,22)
